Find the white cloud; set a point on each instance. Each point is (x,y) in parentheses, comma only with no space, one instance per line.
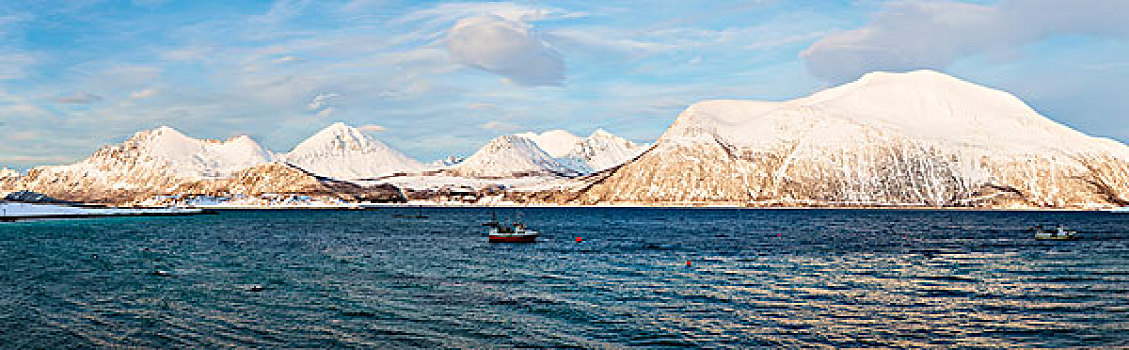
(372,128)
(444,14)
(505,47)
(321,100)
(286,59)
(141,94)
(499,126)
(324,113)
(915,34)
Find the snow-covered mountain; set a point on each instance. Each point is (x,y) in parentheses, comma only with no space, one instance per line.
(344,152)
(6,173)
(557,143)
(509,156)
(152,161)
(600,151)
(917,138)
(597,152)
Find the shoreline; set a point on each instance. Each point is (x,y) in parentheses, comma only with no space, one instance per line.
(14,211)
(377,206)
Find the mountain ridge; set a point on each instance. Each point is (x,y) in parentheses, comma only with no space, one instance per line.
(904,139)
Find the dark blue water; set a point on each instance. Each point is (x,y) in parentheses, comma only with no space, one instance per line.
(843,278)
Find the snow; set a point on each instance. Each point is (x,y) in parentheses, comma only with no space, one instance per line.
(344,152)
(165,151)
(918,138)
(190,157)
(49,210)
(432,182)
(599,151)
(8,173)
(509,156)
(557,143)
(920,105)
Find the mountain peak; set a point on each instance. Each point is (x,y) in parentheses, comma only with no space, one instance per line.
(556,143)
(338,127)
(601,133)
(920,104)
(599,151)
(509,155)
(344,152)
(913,74)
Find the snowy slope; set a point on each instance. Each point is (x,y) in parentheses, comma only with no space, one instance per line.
(6,173)
(917,138)
(150,161)
(557,143)
(599,151)
(509,156)
(343,152)
(167,152)
(30,210)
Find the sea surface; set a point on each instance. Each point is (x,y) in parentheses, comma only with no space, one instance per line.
(756,278)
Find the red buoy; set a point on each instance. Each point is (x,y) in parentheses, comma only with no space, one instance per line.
(578,239)
(687,263)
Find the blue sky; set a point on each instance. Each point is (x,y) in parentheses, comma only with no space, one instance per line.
(440,78)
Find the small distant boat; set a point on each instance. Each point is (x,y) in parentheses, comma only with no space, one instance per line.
(1059,233)
(1122,210)
(510,233)
(410,216)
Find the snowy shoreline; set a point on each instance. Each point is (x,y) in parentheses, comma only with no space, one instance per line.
(373,206)
(26,211)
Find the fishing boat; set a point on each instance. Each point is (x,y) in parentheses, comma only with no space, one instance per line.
(1059,233)
(515,232)
(419,215)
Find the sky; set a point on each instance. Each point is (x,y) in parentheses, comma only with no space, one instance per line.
(442,78)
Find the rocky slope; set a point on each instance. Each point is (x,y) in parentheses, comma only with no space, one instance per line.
(344,152)
(284,179)
(908,139)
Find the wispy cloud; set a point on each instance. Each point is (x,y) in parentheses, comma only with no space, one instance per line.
(79,98)
(321,100)
(501,126)
(372,128)
(322,114)
(143,94)
(916,34)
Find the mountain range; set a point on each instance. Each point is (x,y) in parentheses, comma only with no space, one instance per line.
(918,139)
(165,162)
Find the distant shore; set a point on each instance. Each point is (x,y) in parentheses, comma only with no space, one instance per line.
(373,206)
(29,211)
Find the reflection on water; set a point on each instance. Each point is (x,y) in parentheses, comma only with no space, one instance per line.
(846,278)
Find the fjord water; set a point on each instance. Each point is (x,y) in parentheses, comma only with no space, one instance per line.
(844,278)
